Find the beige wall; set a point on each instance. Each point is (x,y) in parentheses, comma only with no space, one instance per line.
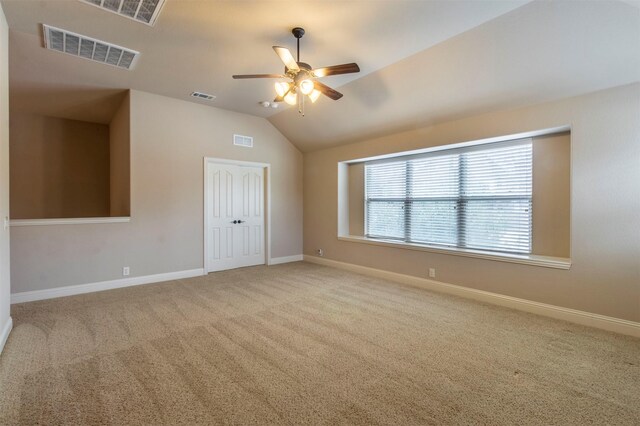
(605,237)
(119,160)
(59,168)
(169,139)
(551,233)
(551,197)
(4,176)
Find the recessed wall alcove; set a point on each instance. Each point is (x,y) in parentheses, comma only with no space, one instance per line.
(72,165)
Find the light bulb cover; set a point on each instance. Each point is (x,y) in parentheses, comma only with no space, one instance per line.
(291,98)
(281,88)
(314,95)
(306,86)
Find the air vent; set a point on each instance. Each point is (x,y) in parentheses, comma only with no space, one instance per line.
(204,96)
(88,48)
(145,11)
(246,141)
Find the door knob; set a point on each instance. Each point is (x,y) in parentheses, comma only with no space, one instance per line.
(234,222)
(241,221)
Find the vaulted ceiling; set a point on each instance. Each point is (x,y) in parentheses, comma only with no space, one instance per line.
(421,61)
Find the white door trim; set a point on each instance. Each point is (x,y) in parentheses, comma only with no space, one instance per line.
(267,202)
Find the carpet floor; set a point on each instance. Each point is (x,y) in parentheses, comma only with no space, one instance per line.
(306,344)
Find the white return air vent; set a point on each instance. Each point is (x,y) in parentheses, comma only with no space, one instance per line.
(203,96)
(145,11)
(246,141)
(88,48)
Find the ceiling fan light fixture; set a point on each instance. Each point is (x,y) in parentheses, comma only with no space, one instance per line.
(291,98)
(306,86)
(300,75)
(282,88)
(314,95)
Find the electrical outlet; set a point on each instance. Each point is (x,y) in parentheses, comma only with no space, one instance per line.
(432,272)
(125,271)
(320,252)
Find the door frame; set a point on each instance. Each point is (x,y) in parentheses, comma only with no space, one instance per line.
(267,204)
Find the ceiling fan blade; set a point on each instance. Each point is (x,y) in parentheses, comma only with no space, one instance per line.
(327,91)
(336,69)
(287,58)
(241,76)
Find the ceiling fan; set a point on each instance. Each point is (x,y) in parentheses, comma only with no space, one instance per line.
(302,79)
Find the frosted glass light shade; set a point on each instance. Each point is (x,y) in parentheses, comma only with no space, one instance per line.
(306,86)
(291,98)
(281,88)
(314,95)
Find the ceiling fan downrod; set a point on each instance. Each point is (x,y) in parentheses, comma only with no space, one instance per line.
(298,33)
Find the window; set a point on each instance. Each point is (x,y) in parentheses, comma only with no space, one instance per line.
(475,197)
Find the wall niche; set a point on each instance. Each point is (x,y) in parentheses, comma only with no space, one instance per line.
(61,167)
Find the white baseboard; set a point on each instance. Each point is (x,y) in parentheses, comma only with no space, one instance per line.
(603,322)
(4,333)
(30,296)
(285,259)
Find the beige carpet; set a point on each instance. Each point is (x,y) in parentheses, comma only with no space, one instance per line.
(299,343)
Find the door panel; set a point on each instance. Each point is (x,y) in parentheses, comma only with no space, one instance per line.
(229,194)
(236,193)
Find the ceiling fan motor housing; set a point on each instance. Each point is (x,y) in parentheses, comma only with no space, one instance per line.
(303,73)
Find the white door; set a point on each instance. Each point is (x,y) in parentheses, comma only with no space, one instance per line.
(236,216)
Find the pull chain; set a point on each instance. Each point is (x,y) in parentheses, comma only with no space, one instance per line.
(301,103)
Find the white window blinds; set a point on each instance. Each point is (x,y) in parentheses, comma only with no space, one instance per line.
(476,197)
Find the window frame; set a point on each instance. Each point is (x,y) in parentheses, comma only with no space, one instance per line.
(460,200)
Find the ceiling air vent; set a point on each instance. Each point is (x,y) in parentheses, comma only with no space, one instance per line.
(246,141)
(145,11)
(204,96)
(88,48)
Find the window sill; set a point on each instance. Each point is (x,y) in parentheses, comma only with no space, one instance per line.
(534,260)
(70,221)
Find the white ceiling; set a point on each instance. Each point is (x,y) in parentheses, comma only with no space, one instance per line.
(537,53)
(421,61)
(198,45)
